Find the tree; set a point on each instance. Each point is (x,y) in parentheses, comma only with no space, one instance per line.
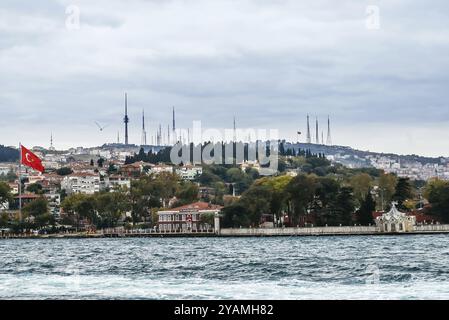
(257,201)
(437,192)
(361,184)
(235,216)
(81,206)
(112,206)
(187,193)
(387,186)
(403,193)
(8,154)
(342,208)
(9,177)
(301,192)
(278,200)
(365,214)
(64,171)
(35,188)
(5,193)
(39,210)
(4,219)
(100,162)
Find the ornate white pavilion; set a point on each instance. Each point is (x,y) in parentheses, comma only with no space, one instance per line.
(395,221)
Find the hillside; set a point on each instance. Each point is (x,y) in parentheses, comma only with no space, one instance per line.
(8,154)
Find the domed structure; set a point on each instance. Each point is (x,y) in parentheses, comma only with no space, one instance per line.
(395,221)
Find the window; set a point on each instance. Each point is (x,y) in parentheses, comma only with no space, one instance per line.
(401,227)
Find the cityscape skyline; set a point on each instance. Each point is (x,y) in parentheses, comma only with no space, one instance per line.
(268,64)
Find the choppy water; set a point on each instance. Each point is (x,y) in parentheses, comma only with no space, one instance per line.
(390,267)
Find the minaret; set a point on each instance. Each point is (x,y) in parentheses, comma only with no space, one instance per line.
(160,134)
(144,133)
(174,124)
(329,138)
(317,137)
(309,137)
(322,137)
(168,135)
(235,131)
(126,119)
(118,137)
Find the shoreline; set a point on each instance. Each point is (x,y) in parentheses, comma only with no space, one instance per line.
(212,235)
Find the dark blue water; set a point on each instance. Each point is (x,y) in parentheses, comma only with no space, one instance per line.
(383,267)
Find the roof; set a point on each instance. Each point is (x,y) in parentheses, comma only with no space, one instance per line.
(393,215)
(200,205)
(28,196)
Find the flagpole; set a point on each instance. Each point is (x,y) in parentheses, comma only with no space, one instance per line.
(20,182)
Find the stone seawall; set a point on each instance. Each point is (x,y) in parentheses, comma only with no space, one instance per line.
(316,231)
(432,228)
(355,230)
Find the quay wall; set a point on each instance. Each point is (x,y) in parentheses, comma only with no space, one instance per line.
(316,231)
(356,230)
(432,228)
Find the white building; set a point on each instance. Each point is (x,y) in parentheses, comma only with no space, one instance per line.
(117,181)
(81,183)
(189,172)
(395,221)
(159,168)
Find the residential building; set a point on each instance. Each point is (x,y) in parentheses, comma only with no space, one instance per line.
(87,183)
(189,172)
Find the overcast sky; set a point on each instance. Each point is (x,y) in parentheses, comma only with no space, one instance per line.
(384,82)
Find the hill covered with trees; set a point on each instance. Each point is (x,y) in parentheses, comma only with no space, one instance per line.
(8,154)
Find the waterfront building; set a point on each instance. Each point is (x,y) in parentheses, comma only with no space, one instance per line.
(395,221)
(197,216)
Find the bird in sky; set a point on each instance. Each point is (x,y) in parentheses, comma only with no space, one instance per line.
(100,126)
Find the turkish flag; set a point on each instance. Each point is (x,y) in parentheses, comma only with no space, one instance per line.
(31,160)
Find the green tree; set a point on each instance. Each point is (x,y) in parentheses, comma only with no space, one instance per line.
(403,193)
(365,214)
(257,201)
(81,206)
(279,196)
(38,209)
(437,193)
(342,207)
(4,219)
(387,187)
(35,188)
(64,171)
(235,216)
(112,206)
(301,192)
(187,193)
(9,177)
(100,162)
(361,184)
(5,193)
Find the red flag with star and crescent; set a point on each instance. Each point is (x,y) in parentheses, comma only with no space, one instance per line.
(29,159)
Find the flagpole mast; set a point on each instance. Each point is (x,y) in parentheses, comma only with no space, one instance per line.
(20,182)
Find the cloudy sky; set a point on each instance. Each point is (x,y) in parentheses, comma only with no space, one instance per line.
(380,69)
